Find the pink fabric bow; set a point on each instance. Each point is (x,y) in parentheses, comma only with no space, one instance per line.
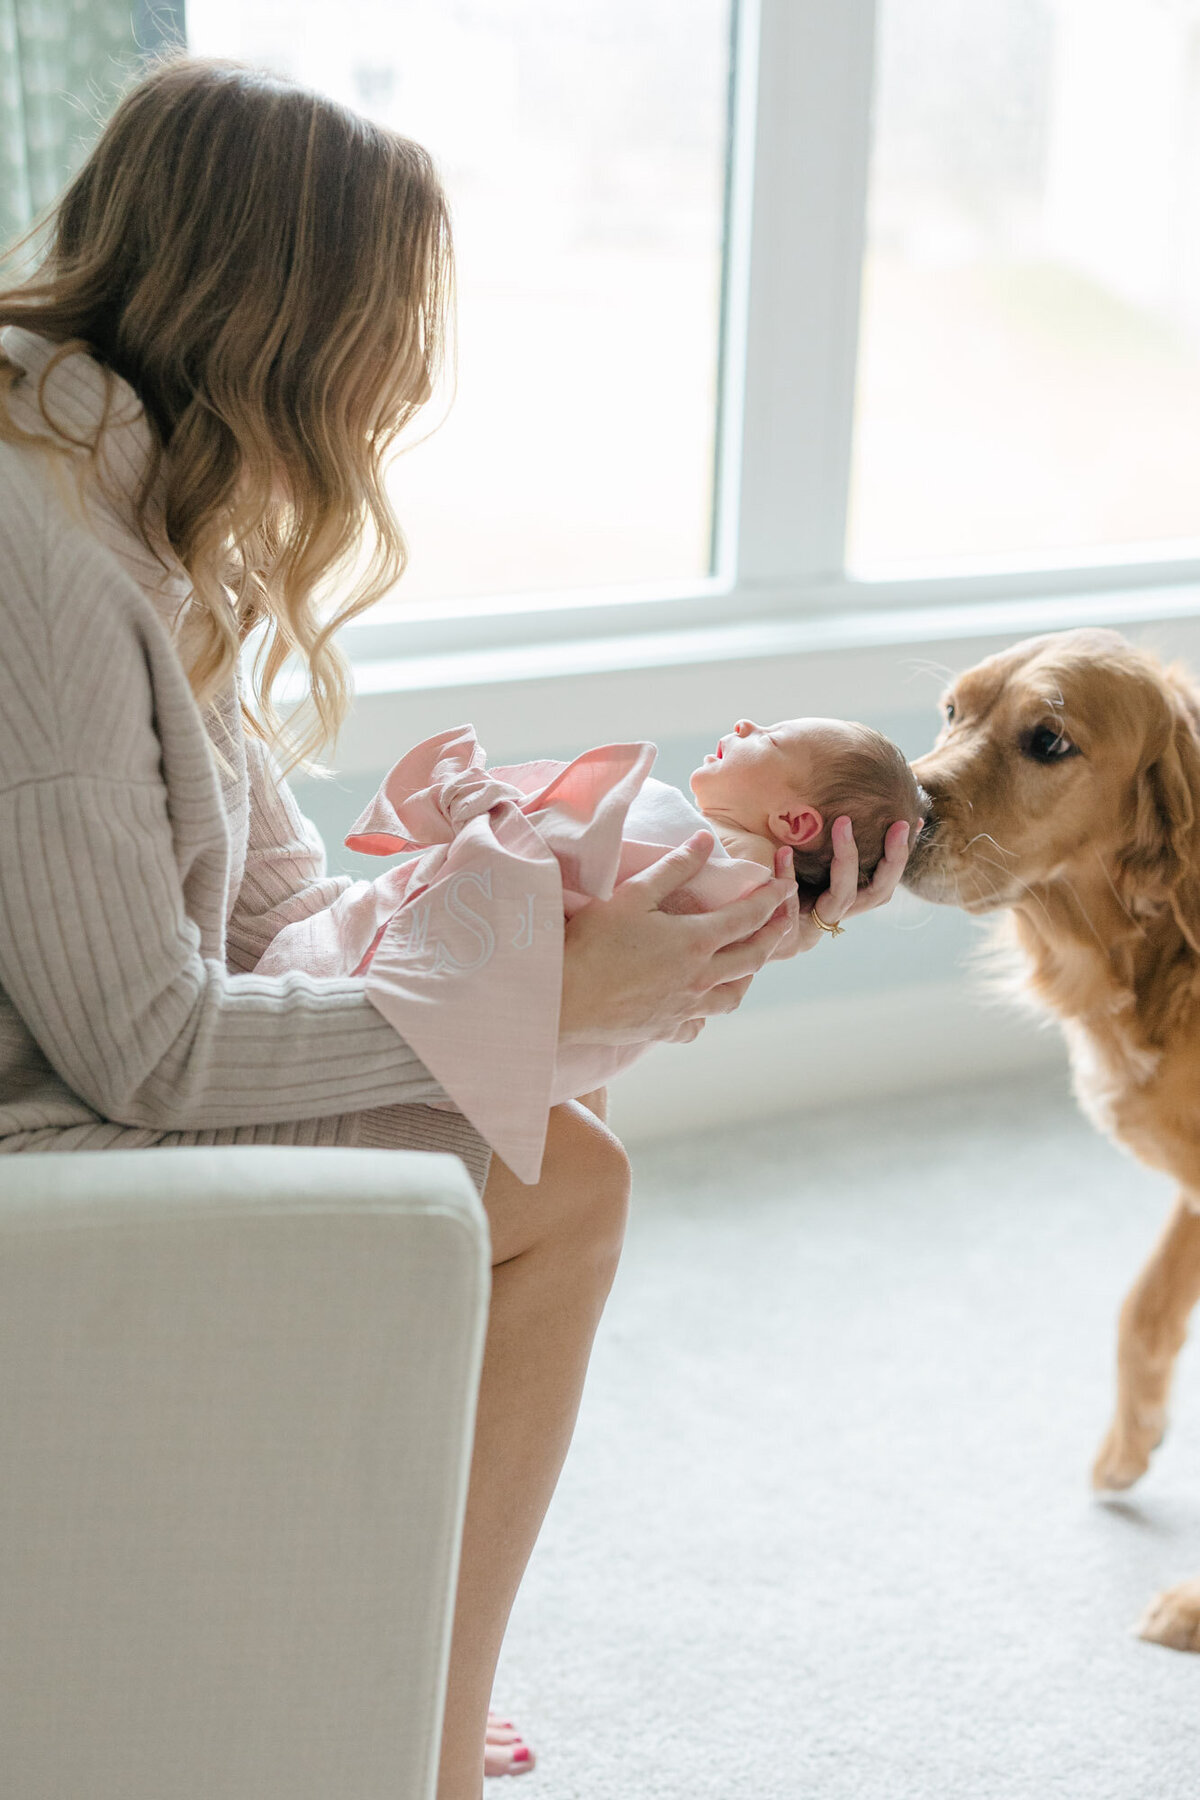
(461,946)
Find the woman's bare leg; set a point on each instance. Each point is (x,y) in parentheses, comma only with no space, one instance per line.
(555,1249)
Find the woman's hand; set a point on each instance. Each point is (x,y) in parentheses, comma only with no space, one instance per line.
(633,974)
(843,898)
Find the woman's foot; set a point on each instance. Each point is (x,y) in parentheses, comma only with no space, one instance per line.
(505,1752)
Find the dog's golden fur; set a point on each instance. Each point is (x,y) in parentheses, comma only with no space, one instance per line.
(1065,788)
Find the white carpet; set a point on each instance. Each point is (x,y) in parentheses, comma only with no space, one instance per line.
(825,1532)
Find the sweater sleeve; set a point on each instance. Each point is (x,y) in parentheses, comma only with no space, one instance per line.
(104,967)
(285,878)
(108,820)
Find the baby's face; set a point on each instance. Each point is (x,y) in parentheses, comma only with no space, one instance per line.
(758,772)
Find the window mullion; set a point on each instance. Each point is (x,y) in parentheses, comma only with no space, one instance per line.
(801,136)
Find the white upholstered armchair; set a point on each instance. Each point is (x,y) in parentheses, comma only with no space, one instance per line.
(237,1390)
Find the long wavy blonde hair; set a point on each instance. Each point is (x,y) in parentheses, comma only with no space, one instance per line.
(272,274)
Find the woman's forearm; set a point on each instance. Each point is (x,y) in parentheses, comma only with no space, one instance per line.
(106,971)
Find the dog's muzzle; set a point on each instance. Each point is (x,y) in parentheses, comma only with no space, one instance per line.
(923,848)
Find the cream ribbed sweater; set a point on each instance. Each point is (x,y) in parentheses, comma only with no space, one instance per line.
(138,886)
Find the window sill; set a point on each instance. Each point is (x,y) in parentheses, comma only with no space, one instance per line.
(540,697)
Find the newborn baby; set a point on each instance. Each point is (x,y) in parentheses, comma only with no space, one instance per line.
(460,948)
(786,784)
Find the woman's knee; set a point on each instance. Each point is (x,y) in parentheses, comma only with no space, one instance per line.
(588,1167)
(577,1208)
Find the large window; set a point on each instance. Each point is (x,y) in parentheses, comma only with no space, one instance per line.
(1030,368)
(772,310)
(583,148)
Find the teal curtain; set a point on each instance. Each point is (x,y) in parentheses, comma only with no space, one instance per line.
(63,64)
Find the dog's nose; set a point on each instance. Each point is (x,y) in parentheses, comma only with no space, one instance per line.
(926,802)
(921,843)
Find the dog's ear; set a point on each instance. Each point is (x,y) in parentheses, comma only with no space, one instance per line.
(1162,856)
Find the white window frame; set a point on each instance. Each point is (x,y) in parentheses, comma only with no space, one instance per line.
(798,173)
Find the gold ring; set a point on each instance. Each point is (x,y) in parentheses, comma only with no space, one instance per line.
(818,921)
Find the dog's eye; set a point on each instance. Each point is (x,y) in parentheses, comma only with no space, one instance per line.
(948,711)
(1045,744)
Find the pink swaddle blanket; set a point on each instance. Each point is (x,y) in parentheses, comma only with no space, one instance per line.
(461,947)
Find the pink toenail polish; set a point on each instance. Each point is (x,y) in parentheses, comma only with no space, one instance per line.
(521,1755)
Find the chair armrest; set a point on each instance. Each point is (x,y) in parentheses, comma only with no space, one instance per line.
(115,1185)
(237,1391)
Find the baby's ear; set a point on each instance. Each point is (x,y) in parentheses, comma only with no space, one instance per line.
(798,826)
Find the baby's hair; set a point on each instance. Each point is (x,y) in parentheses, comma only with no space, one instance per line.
(864,776)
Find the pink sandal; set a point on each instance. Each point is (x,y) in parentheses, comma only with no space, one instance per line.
(505,1752)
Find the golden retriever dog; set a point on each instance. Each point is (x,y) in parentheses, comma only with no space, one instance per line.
(1064,786)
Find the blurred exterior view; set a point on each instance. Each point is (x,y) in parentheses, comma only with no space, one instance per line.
(1029,373)
(583,148)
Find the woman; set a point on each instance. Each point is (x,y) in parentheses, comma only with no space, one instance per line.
(242,302)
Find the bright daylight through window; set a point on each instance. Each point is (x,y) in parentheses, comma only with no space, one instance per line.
(1029,375)
(583,147)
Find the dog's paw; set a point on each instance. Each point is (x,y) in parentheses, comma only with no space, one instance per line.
(1173,1618)
(1124,1456)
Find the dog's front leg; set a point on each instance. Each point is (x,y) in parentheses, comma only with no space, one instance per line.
(1152,1328)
